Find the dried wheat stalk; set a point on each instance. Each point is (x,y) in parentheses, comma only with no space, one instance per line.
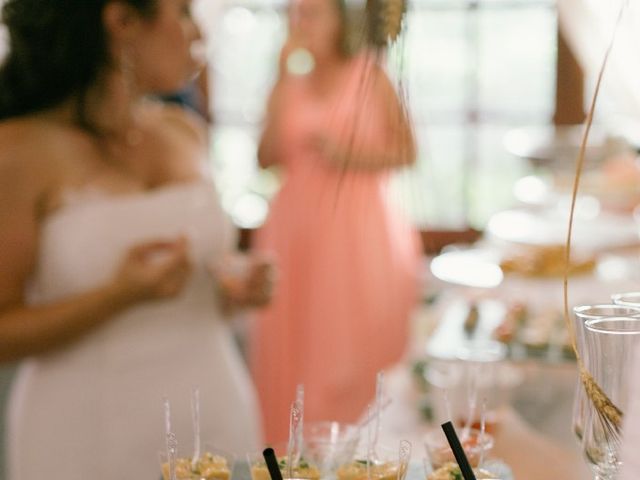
(603,405)
(385,19)
(610,414)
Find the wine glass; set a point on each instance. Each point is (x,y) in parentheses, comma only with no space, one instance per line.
(627,299)
(582,314)
(610,343)
(330,445)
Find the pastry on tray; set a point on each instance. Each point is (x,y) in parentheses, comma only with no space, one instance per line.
(535,331)
(304,469)
(514,318)
(208,467)
(546,261)
(360,470)
(451,471)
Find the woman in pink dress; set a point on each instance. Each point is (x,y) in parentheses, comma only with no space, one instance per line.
(348,263)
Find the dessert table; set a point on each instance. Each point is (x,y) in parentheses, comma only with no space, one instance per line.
(533,410)
(530,454)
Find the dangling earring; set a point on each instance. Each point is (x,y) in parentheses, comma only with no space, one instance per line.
(127,69)
(133,136)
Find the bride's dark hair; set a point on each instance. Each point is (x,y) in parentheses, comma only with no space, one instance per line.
(57,49)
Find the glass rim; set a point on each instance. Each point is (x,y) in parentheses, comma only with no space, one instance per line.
(207,447)
(257,455)
(438,435)
(331,432)
(580,310)
(331,423)
(620,297)
(280,449)
(593,325)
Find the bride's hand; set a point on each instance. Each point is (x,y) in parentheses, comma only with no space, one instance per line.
(154,270)
(260,283)
(248,289)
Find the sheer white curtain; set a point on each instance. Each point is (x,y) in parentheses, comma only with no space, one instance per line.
(588,26)
(207,12)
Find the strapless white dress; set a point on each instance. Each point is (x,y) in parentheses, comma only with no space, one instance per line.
(94,409)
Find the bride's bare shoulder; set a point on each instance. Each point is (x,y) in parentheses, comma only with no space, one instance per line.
(33,149)
(35,134)
(22,141)
(16,134)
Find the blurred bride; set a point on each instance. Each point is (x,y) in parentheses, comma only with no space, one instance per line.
(108,226)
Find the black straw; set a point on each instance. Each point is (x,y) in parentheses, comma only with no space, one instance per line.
(272,463)
(458,451)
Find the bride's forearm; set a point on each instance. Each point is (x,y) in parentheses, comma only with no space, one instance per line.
(26,331)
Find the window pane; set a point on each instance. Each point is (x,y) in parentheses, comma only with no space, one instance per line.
(517,51)
(470,74)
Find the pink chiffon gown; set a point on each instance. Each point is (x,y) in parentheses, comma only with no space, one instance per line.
(347,261)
